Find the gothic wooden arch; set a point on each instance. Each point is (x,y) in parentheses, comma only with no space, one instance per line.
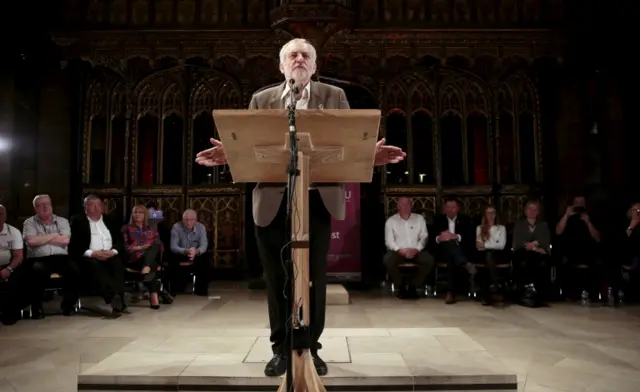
(212,89)
(97,122)
(432,100)
(517,102)
(433,77)
(179,69)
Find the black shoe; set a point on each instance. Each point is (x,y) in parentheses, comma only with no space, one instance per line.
(201,292)
(276,367)
(413,292)
(37,313)
(320,365)
(117,303)
(9,318)
(68,308)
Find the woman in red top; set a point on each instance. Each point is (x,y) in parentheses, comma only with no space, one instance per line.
(145,250)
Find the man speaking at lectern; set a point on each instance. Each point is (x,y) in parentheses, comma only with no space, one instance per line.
(297,64)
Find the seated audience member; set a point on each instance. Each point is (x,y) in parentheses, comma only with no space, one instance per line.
(96,245)
(579,239)
(454,239)
(631,264)
(406,236)
(47,237)
(531,249)
(144,251)
(491,238)
(12,273)
(189,244)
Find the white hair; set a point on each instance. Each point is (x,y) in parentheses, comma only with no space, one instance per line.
(190,212)
(89,198)
(286,49)
(38,197)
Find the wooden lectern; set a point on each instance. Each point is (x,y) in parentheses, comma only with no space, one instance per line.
(334,146)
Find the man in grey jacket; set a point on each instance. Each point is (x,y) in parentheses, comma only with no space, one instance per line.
(297,63)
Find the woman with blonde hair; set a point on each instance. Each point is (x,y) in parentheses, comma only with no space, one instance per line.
(491,238)
(145,250)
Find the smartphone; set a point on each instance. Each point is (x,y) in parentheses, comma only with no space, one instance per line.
(579,210)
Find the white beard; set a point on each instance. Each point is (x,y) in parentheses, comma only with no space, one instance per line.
(299,75)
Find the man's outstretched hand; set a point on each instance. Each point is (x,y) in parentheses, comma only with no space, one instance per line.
(214,156)
(387,154)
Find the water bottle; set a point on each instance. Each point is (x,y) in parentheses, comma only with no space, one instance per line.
(428,291)
(585,298)
(611,299)
(620,296)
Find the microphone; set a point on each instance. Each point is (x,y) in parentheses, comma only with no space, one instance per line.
(295,89)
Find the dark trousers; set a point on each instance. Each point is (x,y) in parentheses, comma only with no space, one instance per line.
(423,260)
(530,267)
(14,292)
(109,275)
(150,258)
(178,277)
(491,277)
(452,254)
(271,240)
(41,270)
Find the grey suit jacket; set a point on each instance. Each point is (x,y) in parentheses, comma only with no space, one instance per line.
(267,197)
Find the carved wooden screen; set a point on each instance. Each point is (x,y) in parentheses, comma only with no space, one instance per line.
(449,136)
(118,143)
(97,126)
(518,141)
(213,90)
(105,135)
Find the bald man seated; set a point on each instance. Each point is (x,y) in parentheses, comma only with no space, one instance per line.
(189,246)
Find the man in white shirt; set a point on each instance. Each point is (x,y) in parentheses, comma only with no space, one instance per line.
(11,272)
(406,237)
(96,244)
(47,237)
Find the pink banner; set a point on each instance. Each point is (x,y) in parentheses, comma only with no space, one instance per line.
(344,253)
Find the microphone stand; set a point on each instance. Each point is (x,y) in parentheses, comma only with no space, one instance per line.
(292,174)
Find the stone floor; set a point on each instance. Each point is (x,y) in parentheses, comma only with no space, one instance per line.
(561,348)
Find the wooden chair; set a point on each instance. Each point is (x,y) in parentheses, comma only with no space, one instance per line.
(54,286)
(185,267)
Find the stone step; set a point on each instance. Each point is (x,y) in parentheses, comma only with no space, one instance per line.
(449,383)
(337,295)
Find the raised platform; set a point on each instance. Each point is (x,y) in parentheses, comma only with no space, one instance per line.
(359,359)
(337,295)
